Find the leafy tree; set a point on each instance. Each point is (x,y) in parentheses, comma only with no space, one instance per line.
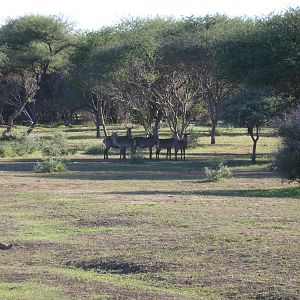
(139,72)
(35,46)
(253,109)
(264,52)
(96,63)
(191,52)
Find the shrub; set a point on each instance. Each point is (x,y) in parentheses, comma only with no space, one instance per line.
(26,145)
(95,150)
(220,172)
(6,150)
(19,147)
(50,165)
(193,141)
(288,157)
(57,146)
(137,158)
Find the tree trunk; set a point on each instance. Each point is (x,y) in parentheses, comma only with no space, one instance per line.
(103,121)
(213,132)
(2,122)
(31,127)
(98,123)
(254,151)
(214,116)
(255,140)
(10,121)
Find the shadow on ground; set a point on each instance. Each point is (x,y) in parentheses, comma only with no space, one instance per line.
(288,192)
(114,169)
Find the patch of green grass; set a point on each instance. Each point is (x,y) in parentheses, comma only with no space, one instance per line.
(140,282)
(26,291)
(60,232)
(196,239)
(94,150)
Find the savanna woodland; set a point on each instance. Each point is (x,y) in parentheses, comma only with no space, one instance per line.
(158,158)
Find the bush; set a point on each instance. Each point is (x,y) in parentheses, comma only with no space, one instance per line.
(50,165)
(6,150)
(220,172)
(57,146)
(193,141)
(19,147)
(26,145)
(137,158)
(95,150)
(288,157)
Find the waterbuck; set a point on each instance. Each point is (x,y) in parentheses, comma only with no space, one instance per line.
(145,142)
(165,144)
(108,142)
(122,142)
(181,145)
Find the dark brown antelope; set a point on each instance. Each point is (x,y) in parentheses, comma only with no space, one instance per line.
(122,142)
(108,142)
(165,144)
(145,142)
(181,145)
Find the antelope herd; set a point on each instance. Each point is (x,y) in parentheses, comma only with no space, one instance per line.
(148,142)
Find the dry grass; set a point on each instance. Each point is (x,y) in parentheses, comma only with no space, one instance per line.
(113,230)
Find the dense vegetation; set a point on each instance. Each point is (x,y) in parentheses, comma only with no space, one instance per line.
(146,71)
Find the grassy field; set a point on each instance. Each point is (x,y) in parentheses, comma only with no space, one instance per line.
(157,230)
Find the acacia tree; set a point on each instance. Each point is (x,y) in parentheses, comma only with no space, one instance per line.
(35,46)
(264,52)
(190,52)
(139,72)
(253,109)
(96,62)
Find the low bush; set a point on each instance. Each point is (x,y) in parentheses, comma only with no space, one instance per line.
(193,141)
(137,158)
(288,157)
(26,145)
(57,146)
(19,146)
(50,165)
(6,150)
(217,173)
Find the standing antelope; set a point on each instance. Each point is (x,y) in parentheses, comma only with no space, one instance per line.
(108,142)
(145,142)
(181,145)
(165,144)
(122,142)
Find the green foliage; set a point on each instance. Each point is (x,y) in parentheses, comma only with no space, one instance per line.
(255,107)
(6,150)
(193,139)
(217,173)
(95,150)
(50,165)
(19,147)
(26,145)
(57,146)
(36,39)
(137,158)
(288,157)
(264,52)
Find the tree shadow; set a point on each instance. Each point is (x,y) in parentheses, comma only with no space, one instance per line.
(287,192)
(115,169)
